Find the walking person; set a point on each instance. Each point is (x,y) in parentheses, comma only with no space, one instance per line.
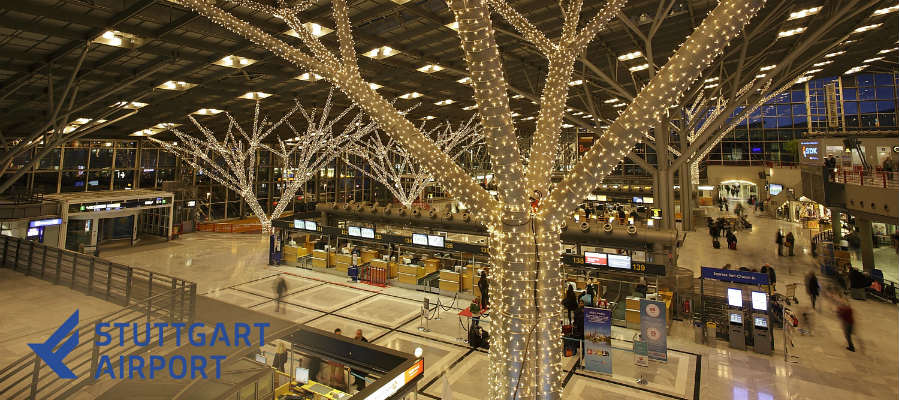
(847,319)
(280,357)
(812,287)
(484,286)
(359,376)
(780,242)
(790,242)
(570,303)
(280,290)
(772,276)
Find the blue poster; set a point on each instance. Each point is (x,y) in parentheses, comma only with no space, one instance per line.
(598,340)
(653,329)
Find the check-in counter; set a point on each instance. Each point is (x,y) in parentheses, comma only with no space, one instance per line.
(321,259)
(290,253)
(342,261)
(467,277)
(409,273)
(450,281)
(632,312)
(367,255)
(431,265)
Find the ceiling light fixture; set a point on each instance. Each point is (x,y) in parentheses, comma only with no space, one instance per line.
(834,54)
(822,63)
(430,68)
(129,105)
(313,28)
(471,107)
(412,95)
(886,10)
(610,101)
(576,82)
(638,68)
(466,80)
(630,56)
(853,70)
(444,102)
(767,68)
(176,85)
(791,32)
(873,59)
(309,77)
(804,13)
(380,53)
(207,111)
(866,28)
(254,95)
(233,61)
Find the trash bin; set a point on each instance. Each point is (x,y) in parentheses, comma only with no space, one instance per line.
(698,332)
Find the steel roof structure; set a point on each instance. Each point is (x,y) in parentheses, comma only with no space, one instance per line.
(102,52)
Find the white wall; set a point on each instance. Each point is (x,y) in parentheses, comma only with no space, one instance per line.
(789,177)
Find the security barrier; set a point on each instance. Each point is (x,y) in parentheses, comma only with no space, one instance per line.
(376,276)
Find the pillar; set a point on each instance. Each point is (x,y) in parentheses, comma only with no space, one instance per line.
(663,184)
(836,226)
(867,243)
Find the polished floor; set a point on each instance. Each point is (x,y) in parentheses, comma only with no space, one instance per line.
(231,268)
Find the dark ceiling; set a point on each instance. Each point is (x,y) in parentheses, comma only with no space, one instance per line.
(41,42)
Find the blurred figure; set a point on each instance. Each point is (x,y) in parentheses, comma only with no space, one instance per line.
(359,376)
(280,290)
(847,319)
(812,287)
(780,242)
(790,242)
(484,287)
(280,357)
(570,303)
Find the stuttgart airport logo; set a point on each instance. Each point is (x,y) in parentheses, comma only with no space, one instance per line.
(54,358)
(138,365)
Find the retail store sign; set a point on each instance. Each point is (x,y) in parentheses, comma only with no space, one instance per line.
(726,275)
(44,222)
(397,383)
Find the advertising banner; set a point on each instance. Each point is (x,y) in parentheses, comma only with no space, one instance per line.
(653,329)
(598,340)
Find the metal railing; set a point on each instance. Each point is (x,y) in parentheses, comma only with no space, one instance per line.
(860,177)
(147,298)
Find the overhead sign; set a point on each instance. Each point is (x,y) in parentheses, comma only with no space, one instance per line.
(44,222)
(727,275)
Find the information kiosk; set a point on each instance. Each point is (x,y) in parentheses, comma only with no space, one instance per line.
(735,310)
(761,333)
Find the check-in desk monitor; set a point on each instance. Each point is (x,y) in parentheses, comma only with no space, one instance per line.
(736,330)
(762,341)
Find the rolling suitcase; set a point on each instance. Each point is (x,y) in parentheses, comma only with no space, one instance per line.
(716,244)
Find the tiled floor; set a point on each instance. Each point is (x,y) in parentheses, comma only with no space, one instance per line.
(390,317)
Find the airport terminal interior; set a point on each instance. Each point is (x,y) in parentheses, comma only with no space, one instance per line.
(449,199)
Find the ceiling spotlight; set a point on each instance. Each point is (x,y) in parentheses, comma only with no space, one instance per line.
(412,95)
(834,54)
(207,111)
(873,59)
(610,101)
(822,63)
(309,77)
(453,25)
(576,82)
(466,80)
(767,68)
(471,107)
(374,86)
(254,95)
(428,117)
(445,102)
(712,79)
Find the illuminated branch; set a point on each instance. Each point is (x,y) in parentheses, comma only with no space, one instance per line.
(232,161)
(387,162)
(344,34)
(521,24)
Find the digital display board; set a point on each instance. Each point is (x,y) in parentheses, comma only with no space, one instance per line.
(736,318)
(435,241)
(761,322)
(734,297)
(759,301)
(298,224)
(354,231)
(191,203)
(310,225)
(420,239)
(367,233)
(595,258)
(637,199)
(620,262)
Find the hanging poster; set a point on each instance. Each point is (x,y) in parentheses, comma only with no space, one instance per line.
(653,329)
(598,340)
